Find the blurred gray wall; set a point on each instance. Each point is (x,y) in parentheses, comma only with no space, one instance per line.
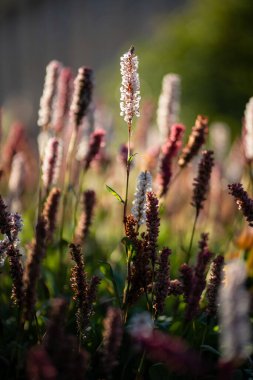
(76,32)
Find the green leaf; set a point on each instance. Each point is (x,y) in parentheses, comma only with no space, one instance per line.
(130,248)
(115,194)
(131,157)
(164,322)
(107,270)
(205,347)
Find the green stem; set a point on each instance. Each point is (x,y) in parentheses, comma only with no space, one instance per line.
(148,304)
(37,329)
(127,174)
(126,290)
(39,209)
(186,328)
(127,287)
(250,187)
(204,334)
(139,370)
(152,293)
(67,177)
(65,193)
(78,196)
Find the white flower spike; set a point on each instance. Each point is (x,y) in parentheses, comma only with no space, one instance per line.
(130,86)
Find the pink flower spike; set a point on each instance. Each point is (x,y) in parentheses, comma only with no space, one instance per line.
(169,151)
(95,143)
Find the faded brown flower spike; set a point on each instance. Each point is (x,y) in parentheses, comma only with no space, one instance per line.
(196,140)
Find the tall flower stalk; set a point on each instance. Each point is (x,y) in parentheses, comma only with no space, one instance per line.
(51,163)
(45,116)
(199,278)
(10,226)
(214,284)
(169,150)
(82,96)
(129,103)
(96,142)
(84,291)
(49,90)
(61,105)
(200,188)
(162,280)
(33,267)
(168,104)
(196,139)
(85,219)
(50,211)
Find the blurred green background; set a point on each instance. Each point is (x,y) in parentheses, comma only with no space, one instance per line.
(209,43)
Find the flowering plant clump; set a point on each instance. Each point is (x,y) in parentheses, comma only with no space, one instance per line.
(165,291)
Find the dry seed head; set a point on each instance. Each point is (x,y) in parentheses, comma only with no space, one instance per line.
(82,95)
(152,223)
(50,210)
(201,182)
(196,140)
(16,272)
(85,219)
(130,86)
(243,201)
(161,282)
(213,284)
(3,247)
